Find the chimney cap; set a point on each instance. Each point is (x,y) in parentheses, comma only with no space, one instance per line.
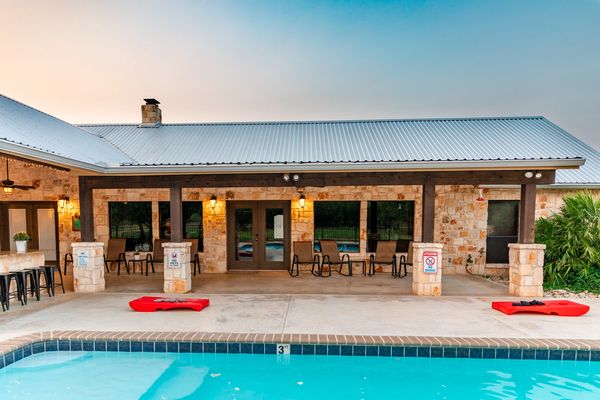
(151,101)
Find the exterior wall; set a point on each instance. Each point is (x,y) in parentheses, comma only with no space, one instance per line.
(461,221)
(53,183)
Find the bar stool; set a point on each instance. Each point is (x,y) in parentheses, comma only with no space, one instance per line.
(22,290)
(51,284)
(68,260)
(5,280)
(35,281)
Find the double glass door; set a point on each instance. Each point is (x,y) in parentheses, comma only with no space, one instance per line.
(39,219)
(258,235)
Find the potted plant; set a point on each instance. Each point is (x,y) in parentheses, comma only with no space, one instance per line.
(21,239)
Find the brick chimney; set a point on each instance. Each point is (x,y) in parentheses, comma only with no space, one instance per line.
(151,114)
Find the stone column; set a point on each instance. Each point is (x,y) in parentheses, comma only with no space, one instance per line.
(427,269)
(526,270)
(88,267)
(178,277)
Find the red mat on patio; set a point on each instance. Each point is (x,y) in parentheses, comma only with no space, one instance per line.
(564,308)
(151,304)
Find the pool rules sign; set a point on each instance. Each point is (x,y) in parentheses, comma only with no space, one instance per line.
(430,262)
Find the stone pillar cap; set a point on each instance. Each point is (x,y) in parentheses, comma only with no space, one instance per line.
(87,244)
(429,245)
(527,246)
(177,244)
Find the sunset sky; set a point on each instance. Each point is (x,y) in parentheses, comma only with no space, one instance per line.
(94,61)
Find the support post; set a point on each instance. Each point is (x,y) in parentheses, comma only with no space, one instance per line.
(176,215)
(527,214)
(428,214)
(86,210)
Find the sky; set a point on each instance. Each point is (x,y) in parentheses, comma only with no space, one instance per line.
(94,61)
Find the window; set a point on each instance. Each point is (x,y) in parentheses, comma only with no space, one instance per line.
(502,229)
(192,221)
(131,220)
(340,221)
(390,220)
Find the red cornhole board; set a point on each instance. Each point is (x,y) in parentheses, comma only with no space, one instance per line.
(151,304)
(563,308)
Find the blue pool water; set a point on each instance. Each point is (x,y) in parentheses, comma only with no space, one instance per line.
(109,375)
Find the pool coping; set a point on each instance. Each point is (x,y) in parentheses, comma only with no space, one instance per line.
(20,347)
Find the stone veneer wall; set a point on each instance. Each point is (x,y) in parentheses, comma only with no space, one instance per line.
(53,183)
(461,222)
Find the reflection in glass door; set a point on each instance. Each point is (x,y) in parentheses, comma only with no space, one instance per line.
(258,234)
(244,235)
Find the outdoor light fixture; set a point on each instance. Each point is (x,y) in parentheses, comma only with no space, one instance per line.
(480,197)
(538,175)
(302,200)
(213,201)
(286,177)
(63,202)
(296,177)
(528,174)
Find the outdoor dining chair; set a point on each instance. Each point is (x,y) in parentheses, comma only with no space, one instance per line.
(304,254)
(158,254)
(331,257)
(194,258)
(115,253)
(385,254)
(406,260)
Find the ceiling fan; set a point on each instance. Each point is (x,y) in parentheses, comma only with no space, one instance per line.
(8,186)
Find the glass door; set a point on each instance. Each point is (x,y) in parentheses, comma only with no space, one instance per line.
(258,235)
(39,219)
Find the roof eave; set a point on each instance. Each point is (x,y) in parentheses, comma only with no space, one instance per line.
(352,166)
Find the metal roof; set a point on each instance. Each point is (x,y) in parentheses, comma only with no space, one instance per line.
(525,142)
(23,129)
(345,142)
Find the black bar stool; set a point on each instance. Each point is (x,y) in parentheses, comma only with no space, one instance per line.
(51,283)
(22,290)
(5,280)
(35,281)
(68,260)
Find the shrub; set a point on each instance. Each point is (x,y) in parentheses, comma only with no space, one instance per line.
(572,239)
(21,236)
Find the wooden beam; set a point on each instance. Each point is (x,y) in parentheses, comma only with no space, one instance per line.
(527,214)
(320,179)
(176,214)
(428,214)
(86,210)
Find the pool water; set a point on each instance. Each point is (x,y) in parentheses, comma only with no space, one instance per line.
(111,375)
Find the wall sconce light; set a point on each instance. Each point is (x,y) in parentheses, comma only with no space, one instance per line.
(302,200)
(480,197)
(63,202)
(213,201)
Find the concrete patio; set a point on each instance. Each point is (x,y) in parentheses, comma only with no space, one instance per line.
(450,316)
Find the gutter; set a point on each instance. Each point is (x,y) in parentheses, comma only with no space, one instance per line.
(415,166)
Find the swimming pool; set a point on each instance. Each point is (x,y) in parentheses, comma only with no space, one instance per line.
(126,375)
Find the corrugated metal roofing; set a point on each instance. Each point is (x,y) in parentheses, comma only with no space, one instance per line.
(467,139)
(25,126)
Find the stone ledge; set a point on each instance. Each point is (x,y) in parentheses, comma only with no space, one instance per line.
(87,244)
(182,245)
(527,246)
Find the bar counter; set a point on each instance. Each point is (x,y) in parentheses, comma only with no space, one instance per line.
(13,261)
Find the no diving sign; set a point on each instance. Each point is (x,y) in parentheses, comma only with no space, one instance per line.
(430,262)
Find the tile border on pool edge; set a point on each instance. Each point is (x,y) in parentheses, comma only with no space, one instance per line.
(305,344)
